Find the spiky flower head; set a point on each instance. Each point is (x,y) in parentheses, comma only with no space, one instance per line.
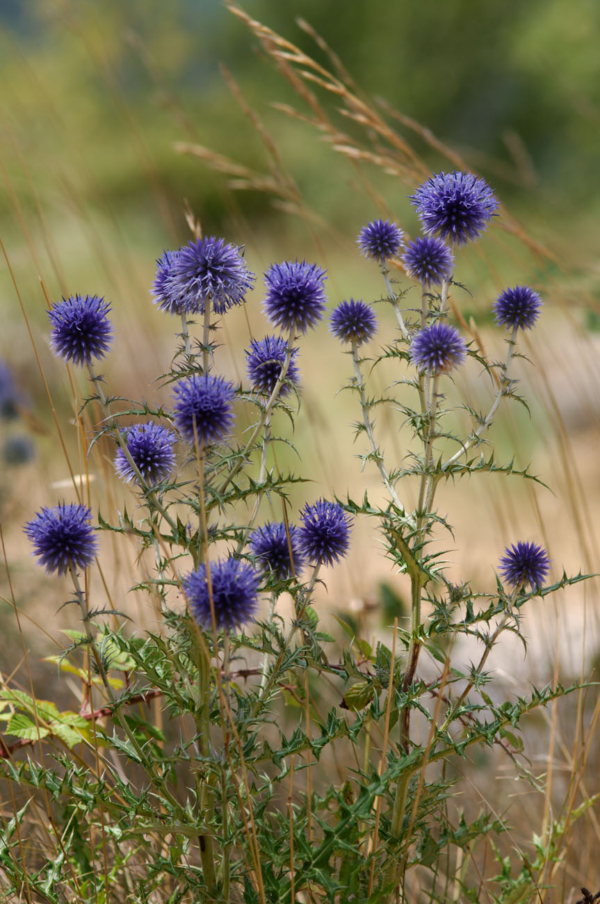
(353,321)
(324,534)
(80,328)
(169,291)
(525,563)
(428,260)
(151,448)
(295,298)
(208,268)
(456,206)
(234,585)
(10,396)
(62,537)
(203,408)
(518,308)
(438,348)
(271,546)
(264,360)
(380,240)
(18,450)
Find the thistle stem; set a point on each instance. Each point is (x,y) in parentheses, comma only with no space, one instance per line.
(206,349)
(394,300)
(186,337)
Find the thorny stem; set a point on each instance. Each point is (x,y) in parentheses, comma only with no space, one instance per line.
(206,351)
(261,479)
(392,297)
(186,336)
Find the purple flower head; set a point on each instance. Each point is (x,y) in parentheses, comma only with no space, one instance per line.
(208,268)
(62,537)
(438,348)
(151,448)
(353,321)
(264,360)
(234,591)
(380,240)
(169,292)
(457,206)
(271,546)
(324,536)
(9,394)
(80,328)
(203,408)
(18,450)
(518,308)
(295,298)
(428,260)
(525,563)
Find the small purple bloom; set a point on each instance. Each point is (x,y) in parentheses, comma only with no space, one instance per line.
(525,563)
(380,240)
(9,394)
(264,360)
(295,298)
(428,260)
(207,268)
(456,205)
(438,348)
(169,292)
(18,450)
(518,308)
(151,448)
(80,328)
(324,535)
(203,408)
(271,546)
(62,537)
(353,321)
(234,586)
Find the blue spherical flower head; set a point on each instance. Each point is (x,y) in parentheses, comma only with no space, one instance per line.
(18,450)
(295,298)
(438,349)
(211,269)
(203,408)
(271,546)
(428,260)
(62,537)
(151,448)
(525,563)
(455,206)
(518,308)
(169,291)
(80,328)
(234,591)
(353,321)
(264,360)
(10,397)
(324,535)
(380,240)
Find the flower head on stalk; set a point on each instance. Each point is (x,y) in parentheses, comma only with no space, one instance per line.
(170,293)
(457,206)
(271,546)
(80,328)
(518,308)
(62,537)
(324,535)
(207,269)
(428,260)
(380,240)
(295,298)
(203,408)
(525,563)
(264,360)
(353,321)
(438,349)
(234,586)
(151,448)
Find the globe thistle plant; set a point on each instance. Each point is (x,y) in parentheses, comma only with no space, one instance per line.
(295,299)
(80,328)
(234,585)
(324,535)
(353,321)
(203,408)
(264,360)
(438,348)
(205,269)
(271,545)
(380,240)
(169,292)
(456,206)
(525,563)
(151,448)
(62,537)
(518,308)
(428,260)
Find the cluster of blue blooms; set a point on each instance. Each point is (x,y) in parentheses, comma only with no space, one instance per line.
(210,275)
